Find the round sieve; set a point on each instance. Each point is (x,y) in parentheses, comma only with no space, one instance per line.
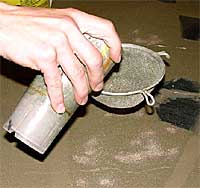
(140,70)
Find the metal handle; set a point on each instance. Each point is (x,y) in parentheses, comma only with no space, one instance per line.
(149,98)
(163,53)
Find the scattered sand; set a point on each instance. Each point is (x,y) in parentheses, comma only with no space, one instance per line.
(84,160)
(105,182)
(145,147)
(81,183)
(150,39)
(171,130)
(127,157)
(89,153)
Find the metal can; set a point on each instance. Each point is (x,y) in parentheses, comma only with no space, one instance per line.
(34,121)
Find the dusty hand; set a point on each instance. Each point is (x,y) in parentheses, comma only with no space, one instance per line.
(42,39)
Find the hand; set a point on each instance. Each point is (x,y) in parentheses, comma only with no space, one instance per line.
(42,39)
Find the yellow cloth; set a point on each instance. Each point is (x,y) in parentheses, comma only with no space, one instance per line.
(30,3)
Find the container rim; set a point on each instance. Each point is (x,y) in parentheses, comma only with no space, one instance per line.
(145,91)
(156,55)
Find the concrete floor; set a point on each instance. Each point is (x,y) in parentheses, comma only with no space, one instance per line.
(102,149)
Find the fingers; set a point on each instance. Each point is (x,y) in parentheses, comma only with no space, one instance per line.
(54,87)
(107,32)
(75,43)
(112,40)
(78,77)
(47,64)
(90,57)
(99,28)
(71,48)
(74,70)
(72,51)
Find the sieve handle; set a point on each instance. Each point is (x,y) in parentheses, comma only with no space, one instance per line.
(149,98)
(163,53)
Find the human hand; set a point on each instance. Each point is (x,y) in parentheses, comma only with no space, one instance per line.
(42,39)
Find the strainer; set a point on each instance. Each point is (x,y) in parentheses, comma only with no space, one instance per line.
(139,72)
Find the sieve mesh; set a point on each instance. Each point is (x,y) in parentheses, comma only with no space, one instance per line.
(140,70)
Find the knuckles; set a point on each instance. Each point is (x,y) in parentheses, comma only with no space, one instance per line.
(59,39)
(54,83)
(72,10)
(109,25)
(95,62)
(45,54)
(66,23)
(79,75)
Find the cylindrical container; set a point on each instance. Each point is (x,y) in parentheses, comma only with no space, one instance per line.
(29,3)
(34,121)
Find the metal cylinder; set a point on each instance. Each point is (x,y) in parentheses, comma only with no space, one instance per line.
(34,121)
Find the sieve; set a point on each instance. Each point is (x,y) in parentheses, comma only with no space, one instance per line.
(140,70)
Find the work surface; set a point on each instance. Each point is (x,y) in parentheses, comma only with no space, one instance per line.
(98,148)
